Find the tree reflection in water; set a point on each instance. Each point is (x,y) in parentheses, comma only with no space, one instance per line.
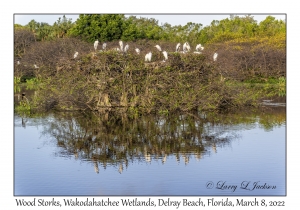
(114,139)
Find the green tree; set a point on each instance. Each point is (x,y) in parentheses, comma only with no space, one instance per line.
(191,32)
(131,29)
(141,28)
(61,27)
(104,27)
(150,28)
(270,27)
(44,31)
(18,26)
(168,33)
(33,27)
(229,28)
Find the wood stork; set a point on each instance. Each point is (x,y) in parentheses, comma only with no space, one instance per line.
(158,47)
(165,55)
(186,47)
(148,57)
(96,44)
(104,46)
(121,45)
(199,47)
(178,47)
(126,48)
(137,50)
(35,66)
(215,56)
(76,54)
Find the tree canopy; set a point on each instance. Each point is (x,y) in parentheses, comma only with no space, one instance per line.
(104,27)
(111,27)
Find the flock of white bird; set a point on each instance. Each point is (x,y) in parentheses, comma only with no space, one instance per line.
(185,49)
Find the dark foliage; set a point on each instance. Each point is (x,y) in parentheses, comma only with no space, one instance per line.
(23,38)
(51,56)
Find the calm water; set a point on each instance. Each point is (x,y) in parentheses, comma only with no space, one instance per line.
(241,153)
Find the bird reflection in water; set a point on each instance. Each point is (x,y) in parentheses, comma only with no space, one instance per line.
(96,167)
(120,168)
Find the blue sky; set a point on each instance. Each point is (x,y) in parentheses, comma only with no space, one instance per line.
(177,19)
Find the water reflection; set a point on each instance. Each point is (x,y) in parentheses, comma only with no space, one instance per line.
(114,139)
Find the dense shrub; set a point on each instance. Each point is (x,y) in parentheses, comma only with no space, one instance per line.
(23,38)
(108,79)
(46,55)
(243,59)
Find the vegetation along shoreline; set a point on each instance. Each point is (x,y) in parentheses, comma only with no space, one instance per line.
(107,61)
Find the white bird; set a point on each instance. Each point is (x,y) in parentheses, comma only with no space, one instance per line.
(199,47)
(104,46)
(197,52)
(186,47)
(178,47)
(126,48)
(121,45)
(137,50)
(158,47)
(76,54)
(96,44)
(148,57)
(35,66)
(215,56)
(18,62)
(165,55)
(116,49)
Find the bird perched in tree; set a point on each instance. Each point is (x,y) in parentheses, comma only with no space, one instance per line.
(148,57)
(199,47)
(96,44)
(76,54)
(158,47)
(35,66)
(178,47)
(137,50)
(215,56)
(121,45)
(186,47)
(165,55)
(104,46)
(18,62)
(126,48)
